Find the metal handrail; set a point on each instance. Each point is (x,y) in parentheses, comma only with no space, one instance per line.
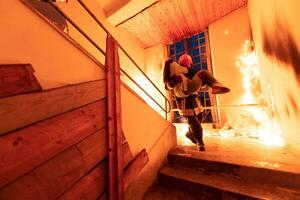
(104,53)
(130,58)
(77,27)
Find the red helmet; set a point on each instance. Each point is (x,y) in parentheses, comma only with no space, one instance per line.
(185,60)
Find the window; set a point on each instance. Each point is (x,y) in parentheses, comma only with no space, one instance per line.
(196,47)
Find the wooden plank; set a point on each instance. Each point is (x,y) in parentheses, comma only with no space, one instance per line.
(34,107)
(17,79)
(127,154)
(115,139)
(52,178)
(25,149)
(89,187)
(134,168)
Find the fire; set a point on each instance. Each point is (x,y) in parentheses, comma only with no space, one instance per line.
(257,121)
(264,126)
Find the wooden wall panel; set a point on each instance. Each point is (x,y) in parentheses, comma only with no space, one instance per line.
(34,107)
(134,167)
(127,154)
(52,178)
(25,149)
(95,183)
(17,79)
(89,187)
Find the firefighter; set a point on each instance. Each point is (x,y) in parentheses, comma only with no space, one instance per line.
(186,84)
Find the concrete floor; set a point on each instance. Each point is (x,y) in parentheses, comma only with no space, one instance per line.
(245,151)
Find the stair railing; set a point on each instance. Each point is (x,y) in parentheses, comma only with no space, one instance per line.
(167,105)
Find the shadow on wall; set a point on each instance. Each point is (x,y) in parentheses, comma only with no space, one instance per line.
(49,12)
(281,45)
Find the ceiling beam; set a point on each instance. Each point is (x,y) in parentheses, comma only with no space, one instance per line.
(130,10)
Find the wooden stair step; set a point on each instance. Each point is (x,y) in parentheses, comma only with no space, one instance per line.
(205,161)
(220,186)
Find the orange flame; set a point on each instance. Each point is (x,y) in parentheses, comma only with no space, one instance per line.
(265,126)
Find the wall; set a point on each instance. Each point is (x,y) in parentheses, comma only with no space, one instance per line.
(136,115)
(227,36)
(110,6)
(26,38)
(154,65)
(145,128)
(276,34)
(67,124)
(75,12)
(130,9)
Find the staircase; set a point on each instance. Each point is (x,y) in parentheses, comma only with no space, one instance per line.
(196,175)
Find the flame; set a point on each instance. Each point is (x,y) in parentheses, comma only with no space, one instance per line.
(264,125)
(258,122)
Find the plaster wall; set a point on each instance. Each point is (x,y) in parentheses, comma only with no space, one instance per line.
(27,38)
(227,37)
(276,34)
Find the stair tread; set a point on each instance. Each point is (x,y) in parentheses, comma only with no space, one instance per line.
(216,157)
(209,162)
(229,183)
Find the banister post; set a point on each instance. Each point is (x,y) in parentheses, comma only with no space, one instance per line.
(115,151)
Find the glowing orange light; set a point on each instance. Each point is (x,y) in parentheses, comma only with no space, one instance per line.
(144,83)
(263,125)
(181,130)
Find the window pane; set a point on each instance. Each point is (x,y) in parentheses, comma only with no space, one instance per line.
(179,47)
(206,95)
(202,34)
(195,37)
(196,59)
(177,56)
(192,43)
(202,41)
(194,52)
(197,67)
(172,51)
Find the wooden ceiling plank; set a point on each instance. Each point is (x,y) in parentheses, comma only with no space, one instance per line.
(172,20)
(162,23)
(178,30)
